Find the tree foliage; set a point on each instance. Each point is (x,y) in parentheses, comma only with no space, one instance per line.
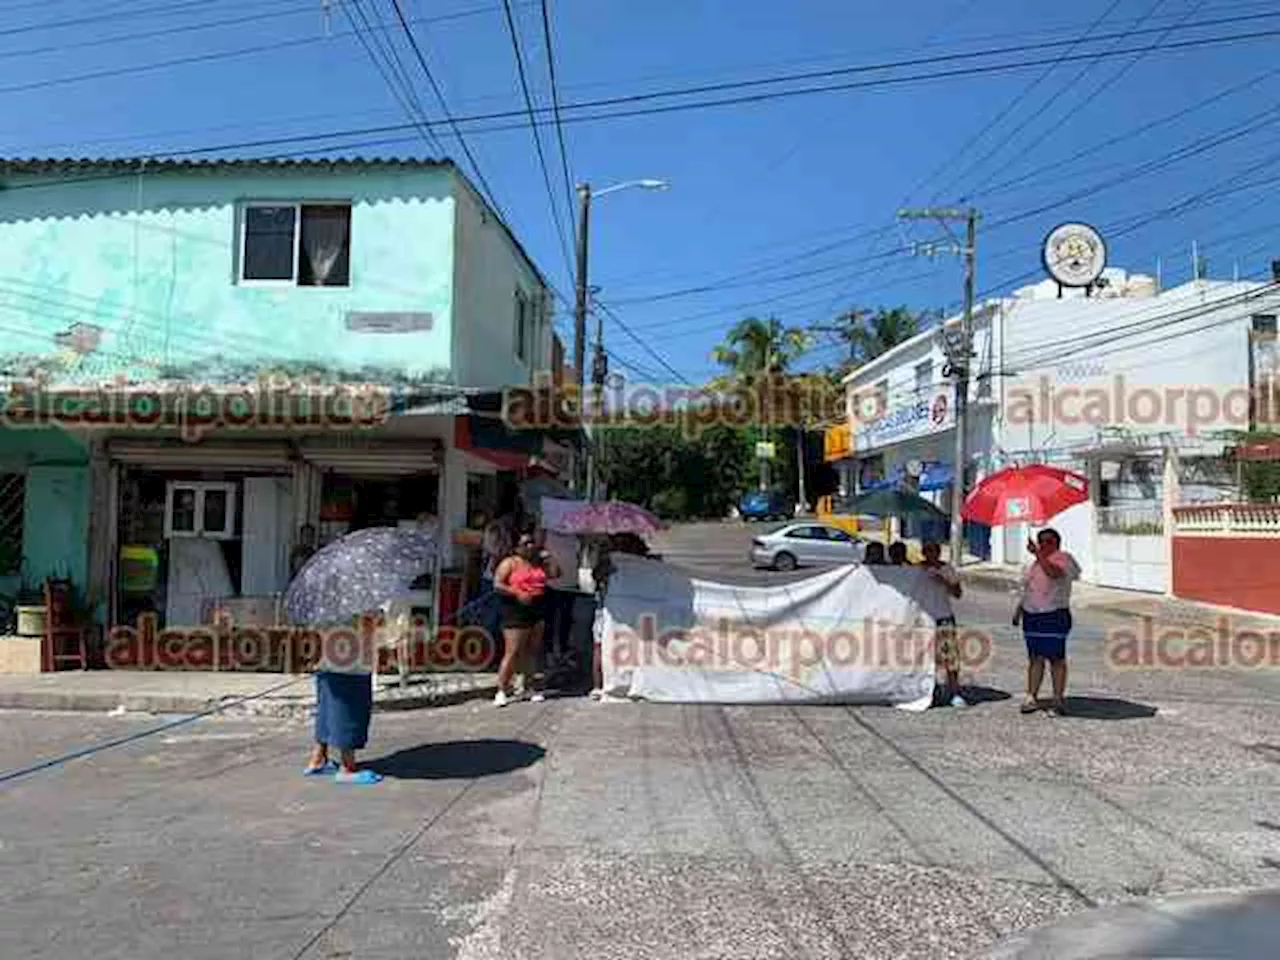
(676,475)
(755,347)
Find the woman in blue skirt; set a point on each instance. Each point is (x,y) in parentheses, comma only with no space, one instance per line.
(344,705)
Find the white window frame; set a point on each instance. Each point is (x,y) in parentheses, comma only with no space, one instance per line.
(200,487)
(247,205)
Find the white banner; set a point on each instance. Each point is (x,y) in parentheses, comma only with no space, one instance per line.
(853,635)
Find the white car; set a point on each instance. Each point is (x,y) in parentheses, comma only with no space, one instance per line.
(806,544)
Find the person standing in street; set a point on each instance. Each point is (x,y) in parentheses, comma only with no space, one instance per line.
(344,707)
(938,606)
(1044,612)
(499,543)
(521,582)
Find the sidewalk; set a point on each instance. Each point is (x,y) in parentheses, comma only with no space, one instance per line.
(1126,603)
(239,694)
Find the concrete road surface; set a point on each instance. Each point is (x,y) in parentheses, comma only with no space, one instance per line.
(571,829)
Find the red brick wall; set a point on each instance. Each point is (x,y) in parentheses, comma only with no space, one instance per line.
(1232,571)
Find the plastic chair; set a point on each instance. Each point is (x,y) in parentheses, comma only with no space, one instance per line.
(65,637)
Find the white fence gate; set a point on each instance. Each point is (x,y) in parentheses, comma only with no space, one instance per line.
(1130,549)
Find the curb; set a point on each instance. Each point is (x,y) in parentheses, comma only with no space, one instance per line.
(294,708)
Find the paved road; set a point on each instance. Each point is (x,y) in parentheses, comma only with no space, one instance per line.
(571,829)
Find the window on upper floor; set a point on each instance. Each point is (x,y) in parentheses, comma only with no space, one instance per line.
(924,378)
(306,244)
(525,326)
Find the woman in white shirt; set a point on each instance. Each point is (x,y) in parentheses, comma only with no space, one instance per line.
(1045,614)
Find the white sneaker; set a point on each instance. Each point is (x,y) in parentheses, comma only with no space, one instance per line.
(959,701)
(500,699)
(596,694)
(537,697)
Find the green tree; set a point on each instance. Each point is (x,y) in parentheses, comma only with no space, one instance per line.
(677,476)
(869,333)
(755,347)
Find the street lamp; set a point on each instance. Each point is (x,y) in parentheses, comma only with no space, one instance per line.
(599,363)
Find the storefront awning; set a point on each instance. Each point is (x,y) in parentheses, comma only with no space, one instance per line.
(519,411)
(515,451)
(935,476)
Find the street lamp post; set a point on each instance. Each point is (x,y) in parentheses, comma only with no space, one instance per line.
(599,364)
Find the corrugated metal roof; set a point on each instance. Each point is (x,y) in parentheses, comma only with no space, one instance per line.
(65,164)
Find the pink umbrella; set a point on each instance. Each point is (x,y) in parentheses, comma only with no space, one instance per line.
(610,518)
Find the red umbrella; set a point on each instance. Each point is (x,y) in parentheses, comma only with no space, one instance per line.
(1029,494)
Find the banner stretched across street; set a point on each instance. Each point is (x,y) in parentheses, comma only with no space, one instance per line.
(853,635)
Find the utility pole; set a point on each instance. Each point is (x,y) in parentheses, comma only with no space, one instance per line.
(580,320)
(764,410)
(959,350)
(599,372)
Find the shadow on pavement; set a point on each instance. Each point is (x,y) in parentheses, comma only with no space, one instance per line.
(1106,708)
(458,760)
(1232,925)
(984,694)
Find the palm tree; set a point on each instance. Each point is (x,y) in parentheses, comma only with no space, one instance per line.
(755,347)
(756,351)
(869,334)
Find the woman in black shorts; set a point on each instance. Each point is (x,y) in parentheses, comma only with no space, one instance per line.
(521,582)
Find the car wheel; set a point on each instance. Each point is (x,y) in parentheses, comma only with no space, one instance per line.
(784,561)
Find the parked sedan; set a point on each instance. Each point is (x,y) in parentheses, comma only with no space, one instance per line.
(806,544)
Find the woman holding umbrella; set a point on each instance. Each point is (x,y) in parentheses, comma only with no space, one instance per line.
(356,575)
(521,581)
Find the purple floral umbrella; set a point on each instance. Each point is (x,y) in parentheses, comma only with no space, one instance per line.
(612,517)
(357,574)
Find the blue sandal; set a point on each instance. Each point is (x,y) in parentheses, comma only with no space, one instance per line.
(326,768)
(360,777)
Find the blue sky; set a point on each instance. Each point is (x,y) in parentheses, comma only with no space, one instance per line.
(805,185)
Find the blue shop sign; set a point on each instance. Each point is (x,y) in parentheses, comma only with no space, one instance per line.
(929,414)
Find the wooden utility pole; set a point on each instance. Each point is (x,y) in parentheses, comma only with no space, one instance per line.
(959,350)
(580,326)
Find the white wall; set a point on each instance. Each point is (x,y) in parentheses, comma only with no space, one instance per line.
(1076,366)
(488,270)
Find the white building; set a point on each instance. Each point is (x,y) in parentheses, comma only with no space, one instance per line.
(1121,386)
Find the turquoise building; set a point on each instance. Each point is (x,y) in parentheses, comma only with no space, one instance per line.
(134,292)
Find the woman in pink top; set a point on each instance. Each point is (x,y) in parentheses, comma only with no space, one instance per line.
(521,581)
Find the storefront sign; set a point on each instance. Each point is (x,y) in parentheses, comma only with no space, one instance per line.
(837,443)
(388,322)
(932,413)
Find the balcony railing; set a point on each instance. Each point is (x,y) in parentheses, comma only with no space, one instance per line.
(1228,519)
(1132,521)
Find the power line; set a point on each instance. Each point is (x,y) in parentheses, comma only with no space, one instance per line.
(490,197)
(103,17)
(537,140)
(294,8)
(763,81)
(644,345)
(555,107)
(1016,101)
(1060,124)
(733,282)
(403,92)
